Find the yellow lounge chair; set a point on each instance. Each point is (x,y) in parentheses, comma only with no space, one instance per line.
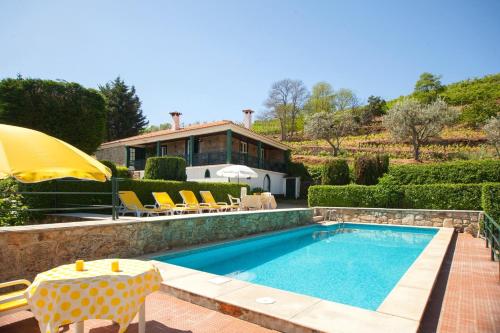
(14,301)
(163,201)
(130,203)
(209,199)
(191,201)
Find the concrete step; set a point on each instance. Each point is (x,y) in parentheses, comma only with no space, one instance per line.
(318,218)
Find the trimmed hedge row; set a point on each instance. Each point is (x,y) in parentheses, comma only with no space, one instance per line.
(433,196)
(463,172)
(166,168)
(350,196)
(142,188)
(491,200)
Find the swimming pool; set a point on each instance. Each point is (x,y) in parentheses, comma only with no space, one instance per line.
(356,265)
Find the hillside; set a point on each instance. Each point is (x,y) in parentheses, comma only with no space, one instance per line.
(461,141)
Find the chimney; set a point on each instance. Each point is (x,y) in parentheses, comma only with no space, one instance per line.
(176,119)
(247,120)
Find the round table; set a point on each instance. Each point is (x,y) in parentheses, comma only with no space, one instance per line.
(63,295)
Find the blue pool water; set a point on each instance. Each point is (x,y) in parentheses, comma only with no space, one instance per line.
(358,266)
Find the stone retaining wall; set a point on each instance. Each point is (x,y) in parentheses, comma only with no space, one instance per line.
(28,250)
(467,220)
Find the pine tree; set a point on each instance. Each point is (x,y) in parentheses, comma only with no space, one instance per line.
(123,108)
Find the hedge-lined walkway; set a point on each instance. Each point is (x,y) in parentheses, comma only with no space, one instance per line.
(466,297)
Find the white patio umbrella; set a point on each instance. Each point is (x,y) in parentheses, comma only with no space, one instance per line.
(237,171)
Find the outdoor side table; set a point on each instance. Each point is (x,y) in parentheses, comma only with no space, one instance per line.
(63,295)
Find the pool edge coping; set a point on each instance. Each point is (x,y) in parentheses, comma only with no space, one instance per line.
(401,310)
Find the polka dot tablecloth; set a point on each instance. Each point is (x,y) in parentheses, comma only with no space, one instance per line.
(63,295)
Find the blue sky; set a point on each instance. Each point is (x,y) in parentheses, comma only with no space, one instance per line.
(211,59)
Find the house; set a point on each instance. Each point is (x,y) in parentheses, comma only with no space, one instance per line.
(207,148)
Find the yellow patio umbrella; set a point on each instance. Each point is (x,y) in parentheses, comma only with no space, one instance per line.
(31,156)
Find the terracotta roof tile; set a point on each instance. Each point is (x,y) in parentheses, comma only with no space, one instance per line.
(169,131)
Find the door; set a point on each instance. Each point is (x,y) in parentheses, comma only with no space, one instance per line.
(290,188)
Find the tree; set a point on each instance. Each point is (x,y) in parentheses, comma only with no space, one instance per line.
(154,128)
(428,87)
(321,99)
(376,106)
(492,129)
(332,127)
(65,110)
(285,101)
(345,99)
(123,107)
(478,113)
(411,120)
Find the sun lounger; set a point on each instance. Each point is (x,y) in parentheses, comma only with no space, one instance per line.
(130,203)
(209,199)
(13,301)
(163,201)
(191,201)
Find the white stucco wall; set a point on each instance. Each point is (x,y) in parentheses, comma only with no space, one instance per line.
(197,173)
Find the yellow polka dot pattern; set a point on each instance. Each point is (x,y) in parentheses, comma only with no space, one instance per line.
(64,295)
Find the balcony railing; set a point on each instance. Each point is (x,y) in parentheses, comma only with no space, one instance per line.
(219,157)
(208,158)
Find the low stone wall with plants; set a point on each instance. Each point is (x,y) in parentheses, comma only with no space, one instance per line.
(465,220)
(28,250)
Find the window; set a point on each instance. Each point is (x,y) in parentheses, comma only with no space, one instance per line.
(243,147)
(207,173)
(132,154)
(163,151)
(267,184)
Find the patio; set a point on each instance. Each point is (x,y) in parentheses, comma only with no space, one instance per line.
(466,299)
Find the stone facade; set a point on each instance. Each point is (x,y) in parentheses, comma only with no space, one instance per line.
(115,154)
(462,220)
(28,250)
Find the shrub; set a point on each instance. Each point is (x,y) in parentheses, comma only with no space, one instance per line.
(65,110)
(353,196)
(442,196)
(466,172)
(335,172)
(257,190)
(142,188)
(368,169)
(434,196)
(111,166)
(166,168)
(477,113)
(13,210)
(315,171)
(490,199)
(122,172)
(298,170)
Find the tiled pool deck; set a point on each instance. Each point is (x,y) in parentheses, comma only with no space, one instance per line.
(400,312)
(466,299)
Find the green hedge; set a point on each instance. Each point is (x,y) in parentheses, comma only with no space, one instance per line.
(464,172)
(335,172)
(352,196)
(491,200)
(122,172)
(142,188)
(111,166)
(434,196)
(166,168)
(442,196)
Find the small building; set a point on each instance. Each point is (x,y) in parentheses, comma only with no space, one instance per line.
(206,148)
